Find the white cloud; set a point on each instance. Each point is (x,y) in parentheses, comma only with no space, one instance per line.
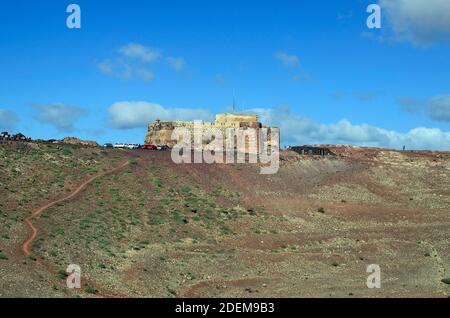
(144,74)
(176,63)
(106,67)
(140,52)
(421,22)
(116,68)
(299,130)
(125,71)
(439,108)
(133,60)
(8,119)
(301,76)
(130,114)
(295,129)
(60,116)
(287,60)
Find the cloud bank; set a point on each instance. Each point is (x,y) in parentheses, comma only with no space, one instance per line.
(288,60)
(420,22)
(8,119)
(295,129)
(439,108)
(299,130)
(176,63)
(140,52)
(115,68)
(133,61)
(60,116)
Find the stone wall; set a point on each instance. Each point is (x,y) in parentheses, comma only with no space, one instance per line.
(160,132)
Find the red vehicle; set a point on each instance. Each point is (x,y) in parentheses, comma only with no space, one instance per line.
(150,147)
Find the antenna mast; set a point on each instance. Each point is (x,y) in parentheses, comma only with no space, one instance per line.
(234,100)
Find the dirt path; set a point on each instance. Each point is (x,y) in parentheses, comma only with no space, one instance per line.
(26,245)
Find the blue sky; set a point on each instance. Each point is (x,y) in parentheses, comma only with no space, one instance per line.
(313,68)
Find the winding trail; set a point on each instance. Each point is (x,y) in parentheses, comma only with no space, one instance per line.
(26,245)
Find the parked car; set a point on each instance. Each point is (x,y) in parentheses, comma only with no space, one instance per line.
(119,145)
(162,147)
(108,145)
(132,146)
(149,147)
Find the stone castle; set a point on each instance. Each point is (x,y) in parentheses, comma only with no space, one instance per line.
(160,132)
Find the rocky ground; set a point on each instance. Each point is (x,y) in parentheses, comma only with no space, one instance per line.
(158,229)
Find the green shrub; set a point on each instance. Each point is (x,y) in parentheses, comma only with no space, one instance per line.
(185,188)
(5,236)
(155,219)
(446,280)
(225,229)
(3,256)
(171,292)
(62,274)
(157,182)
(180,219)
(67,151)
(90,290)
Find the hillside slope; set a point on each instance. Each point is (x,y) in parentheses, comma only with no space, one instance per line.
(158,229)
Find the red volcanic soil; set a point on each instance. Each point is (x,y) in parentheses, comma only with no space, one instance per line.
(154,228)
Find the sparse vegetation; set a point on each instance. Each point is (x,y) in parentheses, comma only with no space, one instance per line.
(90,290)
(62,274)
(178,226)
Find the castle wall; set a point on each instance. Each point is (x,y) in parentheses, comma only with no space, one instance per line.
(160,132)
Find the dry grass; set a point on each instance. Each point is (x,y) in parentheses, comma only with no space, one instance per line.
(159,229)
